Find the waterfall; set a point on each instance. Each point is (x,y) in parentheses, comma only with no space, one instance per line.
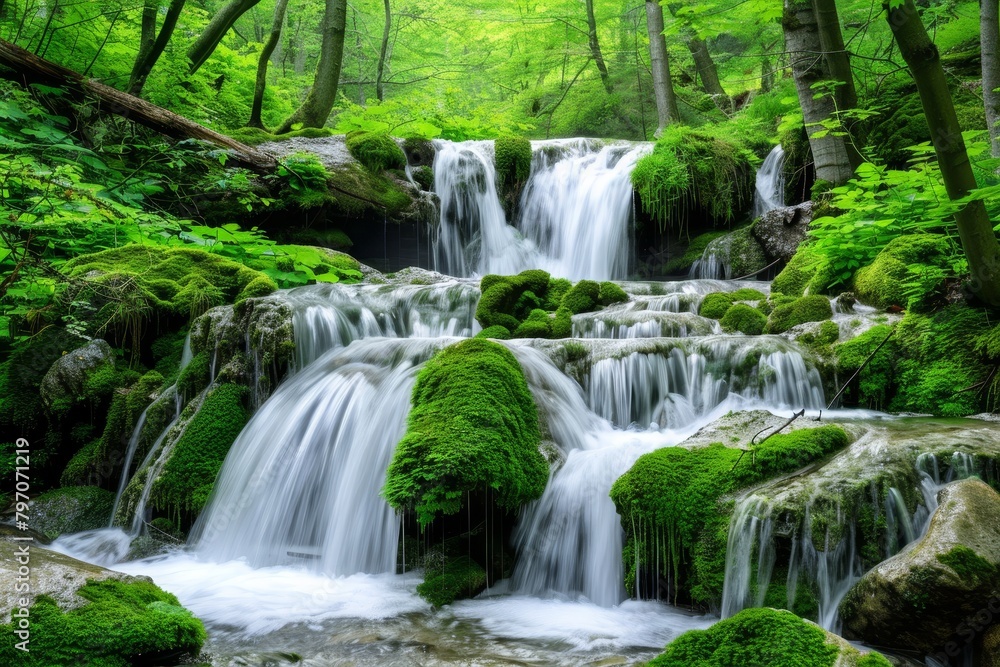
(750,533)
(770,187)
(575,212)
(714,262)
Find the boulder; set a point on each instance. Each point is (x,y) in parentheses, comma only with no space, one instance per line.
(927,597)
(781,230)
(66,377)
(991,647)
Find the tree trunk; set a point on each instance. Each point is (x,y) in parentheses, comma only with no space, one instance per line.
(216,29)
(380,70)
(30,68)
(144,64)
(595,47)
(839,65)
(829,150)
(663,88)
(318,104)
(989,40)
(974,227)
(265,55)
(709,74)
(147,31)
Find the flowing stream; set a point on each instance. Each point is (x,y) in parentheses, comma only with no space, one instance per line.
(297,551)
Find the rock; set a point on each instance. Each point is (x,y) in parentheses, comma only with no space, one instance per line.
(781,231)
(927,597)
(991,647)
(71,510)
(68,374)
(419,152)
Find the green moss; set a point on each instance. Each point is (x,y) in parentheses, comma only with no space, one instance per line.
(556,291)
(196,375)
(80,469)
(71,510)
(968,565)
(461,578)
(523,303)
(473,426)
(513,161)
(889,280)
(747,294)
(562,325)
(253,136)
(744,319)
(538,325)
(670,502)
(377,151)
(752,637)
(746,256)
(124,624)
(715,305)
(876,379)
(611,293)
(258,287)
(582,298)
(694,251)
(792,279)
(498,332)
(189,474)
(812,308)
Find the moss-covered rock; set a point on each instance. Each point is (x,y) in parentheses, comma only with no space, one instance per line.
(744,319)
(746,255)
(496,331)
(513,160)
(764,637)
(611,293)
(460,578)
(71,510)
(811,308)
(884,282)
(920,599)
(793,279)
(473,426)
(681,265)
(377,151)
(65,381)
(716,304)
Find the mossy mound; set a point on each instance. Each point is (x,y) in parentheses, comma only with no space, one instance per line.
(461,578)
(377,151)
(716,304)
(534,305)
(512,156)
(189,474)
(811,308)
(795,277)
(71,510)
(887,280)
(695,250)
(676,492)
(758,637)
(124,624)
(744,319)
(496,331)
(253,136)
(746,255)
(473,427)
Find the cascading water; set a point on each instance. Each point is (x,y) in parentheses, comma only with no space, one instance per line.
(575,212)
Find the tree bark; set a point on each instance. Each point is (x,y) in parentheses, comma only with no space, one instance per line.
(989,41)
(318,104)
(838,62)
(802,42)
(380,70)
(32,69)
(974,227)
(709,73)
(659,60)
(265,56)
(595,47)
(216,29)
(144,64)
(147,31)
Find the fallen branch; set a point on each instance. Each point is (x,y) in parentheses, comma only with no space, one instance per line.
(860,368)
(754,444)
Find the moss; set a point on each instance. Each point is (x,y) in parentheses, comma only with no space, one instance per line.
(874,383)
(752,637)
(258,287)
(967,564)
(792,279)
(523,303)
(80,469)
(513,161)
(189,474)
(747,294)
(557,289)
(253,136)
(21,376)
(611,293)
(71,510)
(715,305)
(498,332)
(562,325)
(124,624)
(887,280)
(537,325)
(582,298)
(196,375)
(473,426)
(812,308)
(461,578)
(746,256)
(694,251)
(377,151)
(744,319)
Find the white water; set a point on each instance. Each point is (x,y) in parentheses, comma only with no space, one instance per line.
(575,212)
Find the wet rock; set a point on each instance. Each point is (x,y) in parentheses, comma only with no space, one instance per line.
(71,510)
(781,230)
(419,152)
(66,377)
(991,647)
(927,597)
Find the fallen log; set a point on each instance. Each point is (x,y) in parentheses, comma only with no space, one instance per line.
(32,69)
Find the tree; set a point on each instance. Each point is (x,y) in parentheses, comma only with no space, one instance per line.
(974,227)
(321,98)
(265,55)
(659,61)
(383,51)
(839,65)
(708,73)
(819,108)
(595,47)
(989,41)
(216,29)
(144,62)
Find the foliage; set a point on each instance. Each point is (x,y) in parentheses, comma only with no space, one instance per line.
(473,426)
(377,151)
(673,496)
(123,623)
